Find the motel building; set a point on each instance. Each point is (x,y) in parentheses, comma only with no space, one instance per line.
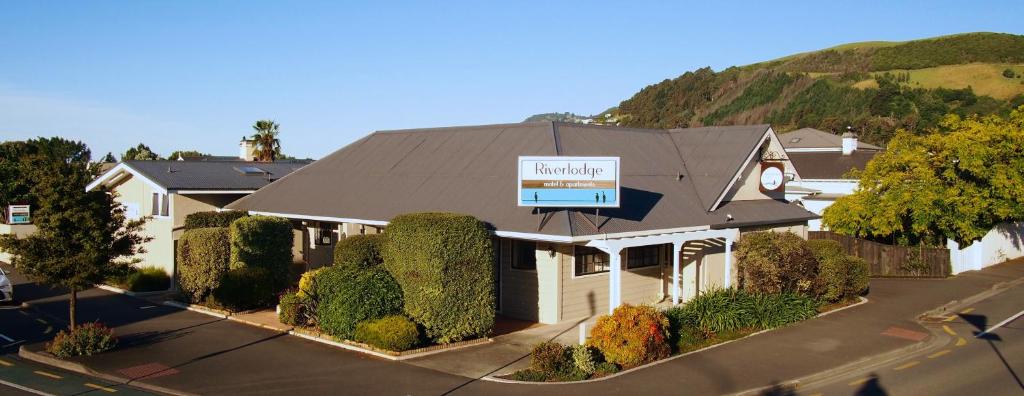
(585,217)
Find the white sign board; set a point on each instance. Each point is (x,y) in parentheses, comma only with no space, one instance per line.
(578,182)
(19,214)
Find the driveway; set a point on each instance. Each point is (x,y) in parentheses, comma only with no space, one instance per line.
(199,354)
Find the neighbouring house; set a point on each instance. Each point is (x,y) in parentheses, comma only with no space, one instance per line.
(686,196)
(169,190)
(824,161)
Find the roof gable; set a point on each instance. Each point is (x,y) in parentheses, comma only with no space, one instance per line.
(810,138)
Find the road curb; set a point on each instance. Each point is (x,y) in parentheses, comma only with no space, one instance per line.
(53,361)
(193,308)
(495,378)
(118,290)
(938,338)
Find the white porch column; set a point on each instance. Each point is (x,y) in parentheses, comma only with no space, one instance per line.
(614,279)
(728,263)
(676,248)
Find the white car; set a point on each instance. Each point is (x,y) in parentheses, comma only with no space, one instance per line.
(6,288)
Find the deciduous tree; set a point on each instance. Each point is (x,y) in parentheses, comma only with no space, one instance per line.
(82,237)
(956,182)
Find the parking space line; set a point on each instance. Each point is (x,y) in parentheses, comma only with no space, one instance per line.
(6,338)
(859,382)
(1000,324)
(939,353)
(5,363)
(950,318)
(45,374)
(25,388)
(961,342)
(967,311)
(102,388)
(948,330)
(41,321)
(906,366)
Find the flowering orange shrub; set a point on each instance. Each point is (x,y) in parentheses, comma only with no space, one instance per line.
(631,335)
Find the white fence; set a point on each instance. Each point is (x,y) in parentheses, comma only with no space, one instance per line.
(1004,242)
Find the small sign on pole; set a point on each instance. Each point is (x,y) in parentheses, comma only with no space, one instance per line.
(19,214)
(579,182)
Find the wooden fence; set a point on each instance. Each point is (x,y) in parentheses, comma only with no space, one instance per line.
(893,261)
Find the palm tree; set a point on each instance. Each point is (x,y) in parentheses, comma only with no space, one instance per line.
(268,145)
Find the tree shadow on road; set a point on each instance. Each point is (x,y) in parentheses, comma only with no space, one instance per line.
(980,322)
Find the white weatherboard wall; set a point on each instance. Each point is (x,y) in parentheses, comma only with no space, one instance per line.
(1004,242)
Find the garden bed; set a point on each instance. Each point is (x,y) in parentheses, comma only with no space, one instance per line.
(314,335)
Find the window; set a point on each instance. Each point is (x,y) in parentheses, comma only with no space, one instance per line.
(161,205)
(251,170)
(524,255)
(323,234)
(591,261)
(642,256)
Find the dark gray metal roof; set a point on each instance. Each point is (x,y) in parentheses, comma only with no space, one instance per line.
(830,164)
(813,138)
(472,170)
(213,175)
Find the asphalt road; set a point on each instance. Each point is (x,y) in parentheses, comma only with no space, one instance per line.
(195,353)
(19,326)
(971,363)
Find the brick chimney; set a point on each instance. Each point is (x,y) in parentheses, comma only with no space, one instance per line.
(247,149)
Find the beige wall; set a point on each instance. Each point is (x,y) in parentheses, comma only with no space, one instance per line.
(587,295)
(519,289)
(132,191)
(748,186)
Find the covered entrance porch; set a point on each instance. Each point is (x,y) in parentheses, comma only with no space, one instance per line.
(691,248)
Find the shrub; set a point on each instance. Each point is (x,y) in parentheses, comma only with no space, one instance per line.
(550,358)
(774,262)
(263,242)
(292,310)
(348,297)
(243,289)
(716,314)
(87,339)
(359,251)
(530,375)
(605,368)
(145,279)
(393,333)
(841,276)
(583,359)
(212,219)
(203,255)
(631,335)
(444,264)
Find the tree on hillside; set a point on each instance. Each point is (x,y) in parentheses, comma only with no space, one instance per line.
(957,182)
(109,157)
(82,237)
(186,154)
(140,153)
(268,146)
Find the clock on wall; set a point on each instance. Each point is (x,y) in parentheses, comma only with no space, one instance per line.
(772,177)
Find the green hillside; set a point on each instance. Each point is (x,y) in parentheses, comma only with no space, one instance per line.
(875,86)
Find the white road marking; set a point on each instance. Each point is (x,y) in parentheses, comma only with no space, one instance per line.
(26,389)
(148,307)
(6,338)
(1000,324)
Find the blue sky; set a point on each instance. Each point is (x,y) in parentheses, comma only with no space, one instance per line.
(195,75)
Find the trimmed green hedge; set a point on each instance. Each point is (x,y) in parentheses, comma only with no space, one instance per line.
(394,333)
(263,242)
(203,257)
(245,288)
(841,276)
(145,279)
(347,298)
(212,219)
(776,262)
(443,262)
(359,251)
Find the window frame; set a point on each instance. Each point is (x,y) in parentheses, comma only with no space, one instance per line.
(321,229)
(160,207)
(576,255)
(648,251)
(517,250)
